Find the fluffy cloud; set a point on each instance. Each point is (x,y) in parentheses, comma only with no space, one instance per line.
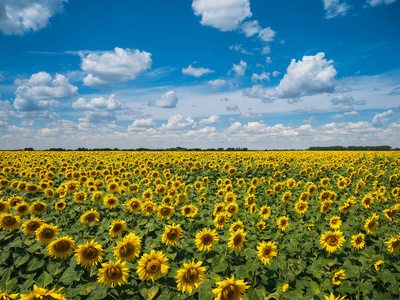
(266,34)
(111,67)
(251,28)
(225,15)
(6,110)
(217,83)
(141,125)
(41,92)
(196,72)
(211,120)
(346,102)
(379,2)
(257,92)
(21,16)
(275,73)
(168,100)
(178,122)
(379,119)
(239,69)
(335,8)
(310,76)
(260,77)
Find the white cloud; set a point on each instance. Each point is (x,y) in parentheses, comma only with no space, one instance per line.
(381,118)
(217,83)
(379,2)
(178,122)
(239,48)
(225,15)
(309,110)
(21,16)
(309,120)
(257,92)
(141,125)
(275,73)
(239,69)
(310,76)
(267,34)
(100,103)
(111,67)
(232,108)
(210,120)
(168,100)
(346,102)
(207,130)
(335,8)
(196,72)
(249,115)
(250,28)
(260,77)
(266,50)
(6,110)
(268,60)
(351,113)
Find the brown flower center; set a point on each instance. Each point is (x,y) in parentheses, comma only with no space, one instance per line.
(33,225)
(207,239)
(62,246)
(9,220)
(90,253)
(153,266)
(47,233)
(114,273)
(332,240)
(165,211)
(39,207)
(172,234)
(127,250)
(237,240)
(229,292)
(191,276)
(22,209)
(117,227)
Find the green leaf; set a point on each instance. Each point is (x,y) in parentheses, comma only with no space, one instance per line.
(219,264)
(16,242)
(148,292)
(314,287)
(387,277)
(69,276)
(21,260)
(33,248)
(296,294)
(44,279)
(35,264)
(99,292)
(366,287)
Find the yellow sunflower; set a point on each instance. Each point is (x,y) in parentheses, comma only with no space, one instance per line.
(97,197)
(332,297)
(230,289)
(80,197)
(90,216)
(189,211)
(22,209)
(61,247)
(335,222)
(110,201)
(9,221)
(152,266)
(113,274)
(338,277)
(218,208)
(261,226)
(325,206)
(41,293)
(236,240)
(236,226)
(46,232)
(265,212)
(232,209)
(266,251)
(190,277)
(147,195)
(371,224)
(129,248)
(358,241)
(171,234)
(283,223)
(332,240)
(117,227)
(149,208)
(393,244)
(205,239)
(133,205)
(7,296)
(165,212)
(38,207)
(3,206)
(60,205)
(30,226)
(391,213)
(301,207)
(89,254)
(367,201)
(286,197)
(220,220)
(378,264)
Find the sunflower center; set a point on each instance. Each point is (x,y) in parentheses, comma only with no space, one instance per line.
(267,251)
(33,225)
(39,206)
(187,210)
(172,234)
(396,243)
(232,209)
(111,201)
(22,209)
(359,240)
(283,223)
(191,275)
(221,220)
(332,240)
(372,224)
(90,253)
(62,246)
(9,220)
(334,222)
(207,239)
(153,266)
(114,273)
(127,250)
(149,208)
(90,217)
(117,227)
(237,240)
(165,211)
(229,292)
(134,205)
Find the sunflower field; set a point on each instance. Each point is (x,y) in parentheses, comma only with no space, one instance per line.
(199,225)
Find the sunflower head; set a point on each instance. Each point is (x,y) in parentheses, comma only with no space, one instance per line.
(393,244)
(89,254)
(61,248)
(301,207)
(190,277)
(236,240)
(46,232)
(22,209)
(236,226)
(38,207)
(266,251)
(230,289)
(60,205)
(113,274)
(41,293)
(117,227)
(283,223)
(172,234)
(90,216)
(332,240)
(152,266)
(9,221)
(205,239)
(110,201)
(30,226)
(338,277)
(220,220)
(129,248)
(3,206)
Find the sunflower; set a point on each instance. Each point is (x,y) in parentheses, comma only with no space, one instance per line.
(38,207)
(46,232)
(165,212)
(9,221)
(202,200)
(89,254)
(72,186)
(332,240)
(97,197)
(301,206)
(15,200)
(230,197)
(266,251)
(265,212)
(205,239)
(393,244)
(371,224)
(129,248)
(149,208)
(236,226)
(117,227)
(113,274)
(171,235)
(230,289)
(325,206)
(367,201)
(133,205)
(112,187)
(7,296)
(332,297)
(80,197)
(41,293)
(22,209)
(335,222)
(391,213)
(90,216)
(190,277)
(61,247)
(378,264)
(358,241)
(147,195)
(283,223)
(250,200)
(218,208)
(338,277)
(189,211)
(232,209)
(3,206)
(236,240)
(30,226)
(31,188)
(152,266)
(286,197)
(261,226)
(220,220)
(60,205)
(110,201)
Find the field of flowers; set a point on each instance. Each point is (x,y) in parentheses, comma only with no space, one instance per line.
(199,225)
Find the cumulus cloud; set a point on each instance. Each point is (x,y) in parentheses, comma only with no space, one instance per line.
(6,110)
(381,118)
(251,28)
(178,122)
(239,69)
(334,8)
(196,72)
(115,66)
(210,120)
(217,83)
(225,15)
(141,125)
(379,2)
(346,102)
(266,34)
(258,92)
(310,76)
(168,100)
(260,77)
(18,17)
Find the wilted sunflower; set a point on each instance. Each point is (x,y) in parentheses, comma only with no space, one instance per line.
(90,216)
(22,209)
(113,274)
(189,211)
(236,240)
(30,226)
(3,206)
(205,239)
(41,293)
(236,226)
(80,197)
(190,277)
(110,201)
(129,248)
(332,240)
(220,220)
(9,221)
(61,247)
(152,266)
(171,234)
(117,227)
(283,223)
(358,241)
(338,277)
(230,289)
(38,207)
(393,244)
(46,232)
(60,205)
(149,208)
(265,212)
(266,251)
(89,254)
(301,207)
(371,224)
(335,222)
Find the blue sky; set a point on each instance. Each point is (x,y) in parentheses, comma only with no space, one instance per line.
(261,74)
